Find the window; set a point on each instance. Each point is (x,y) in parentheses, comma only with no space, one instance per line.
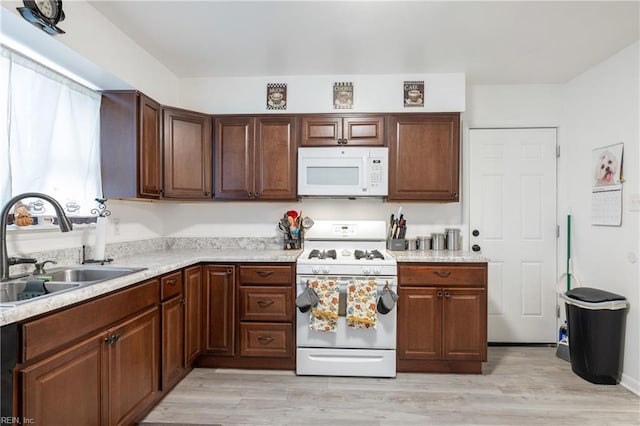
(49,137)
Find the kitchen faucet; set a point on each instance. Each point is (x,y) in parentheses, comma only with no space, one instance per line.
(64,223)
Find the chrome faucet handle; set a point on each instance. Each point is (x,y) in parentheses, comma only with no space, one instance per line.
(18,260)
(39,267)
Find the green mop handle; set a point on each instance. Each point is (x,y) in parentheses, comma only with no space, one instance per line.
(568,252)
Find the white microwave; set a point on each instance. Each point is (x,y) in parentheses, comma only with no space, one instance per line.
(343,172)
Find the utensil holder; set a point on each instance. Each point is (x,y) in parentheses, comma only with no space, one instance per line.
(397,244)
(294,243)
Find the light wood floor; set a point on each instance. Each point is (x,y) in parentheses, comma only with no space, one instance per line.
(519,386)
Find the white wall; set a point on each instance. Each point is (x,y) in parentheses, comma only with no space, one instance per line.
(314,94)
(601,107)
(94,49)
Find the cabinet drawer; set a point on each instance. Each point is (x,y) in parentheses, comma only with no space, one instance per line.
(59,329)
(171,285)
(266,304)
(444,275)
(266,340)
(266,274)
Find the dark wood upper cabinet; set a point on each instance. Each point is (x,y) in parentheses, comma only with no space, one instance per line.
(424,157)
(187,154)
(349,130)
(150,148)
(255,158)
(130,145)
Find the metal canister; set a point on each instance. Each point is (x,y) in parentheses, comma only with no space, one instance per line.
(453,238)
(437,241)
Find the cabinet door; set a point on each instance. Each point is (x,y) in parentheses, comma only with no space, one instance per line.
(364,130)
(275,161)
(66,388)
(173,366)
(419,323)
(234,158)
(321,130)
(193,313)
(464,324)
(134,357)
(220,301)
(424,161)
(187,155)
(150,148)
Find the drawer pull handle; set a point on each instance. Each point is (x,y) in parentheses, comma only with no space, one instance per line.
(264,273)
(172,282)
(264,303)
(442,274)
(265,340)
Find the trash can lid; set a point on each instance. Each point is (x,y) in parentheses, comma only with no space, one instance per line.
(593,298)
(593,295)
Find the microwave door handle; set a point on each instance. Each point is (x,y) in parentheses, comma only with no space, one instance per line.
(365,174)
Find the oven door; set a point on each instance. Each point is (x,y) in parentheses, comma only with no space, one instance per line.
(382,337)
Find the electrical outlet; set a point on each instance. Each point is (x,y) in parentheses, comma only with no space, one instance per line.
(116,226)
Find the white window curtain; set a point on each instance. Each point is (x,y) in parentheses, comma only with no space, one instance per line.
(50,139)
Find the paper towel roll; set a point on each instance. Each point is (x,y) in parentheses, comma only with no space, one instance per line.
(101,234)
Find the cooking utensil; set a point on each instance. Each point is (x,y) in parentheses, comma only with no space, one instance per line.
(307,222)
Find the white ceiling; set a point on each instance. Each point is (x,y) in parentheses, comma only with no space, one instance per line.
(513,42)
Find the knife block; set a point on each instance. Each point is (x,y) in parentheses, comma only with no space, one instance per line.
(397,244)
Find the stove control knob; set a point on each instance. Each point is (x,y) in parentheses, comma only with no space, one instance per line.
(315,270)
(325,270)
(346,253)
(377,271)
(366,271)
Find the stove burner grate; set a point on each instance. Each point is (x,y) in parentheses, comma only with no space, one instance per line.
(328,254)
(369,255)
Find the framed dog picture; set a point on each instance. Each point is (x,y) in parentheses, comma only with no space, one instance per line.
(607,165)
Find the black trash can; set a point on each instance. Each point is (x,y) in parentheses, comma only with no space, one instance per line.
(595,319)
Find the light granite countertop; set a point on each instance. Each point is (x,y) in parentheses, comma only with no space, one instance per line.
(457,256)
(156,263)
(159,262)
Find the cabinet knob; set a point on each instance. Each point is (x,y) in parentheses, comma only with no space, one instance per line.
(439,294)
(447,294)
(264,303)
(229,271)
(475,247)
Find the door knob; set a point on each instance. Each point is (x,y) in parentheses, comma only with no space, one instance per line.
(475,247)
(475,233)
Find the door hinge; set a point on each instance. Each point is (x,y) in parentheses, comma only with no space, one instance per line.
(557,231)
(557,151)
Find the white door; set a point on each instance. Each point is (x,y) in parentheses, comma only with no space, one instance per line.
(512,221)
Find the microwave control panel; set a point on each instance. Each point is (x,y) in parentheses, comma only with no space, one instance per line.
(377,172)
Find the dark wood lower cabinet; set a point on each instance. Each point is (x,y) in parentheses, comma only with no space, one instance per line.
(67,388)
(193,302)
(249,316)
(173,363)
(442,318)
(133,357)
(110,378)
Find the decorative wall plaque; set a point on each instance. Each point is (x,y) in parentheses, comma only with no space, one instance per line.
(413,93)
(277,96)
(342,95)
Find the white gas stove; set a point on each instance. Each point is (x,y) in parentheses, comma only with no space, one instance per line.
(350,247)
(345,252)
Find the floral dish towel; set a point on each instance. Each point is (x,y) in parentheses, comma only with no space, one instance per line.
(324,316)
(361,304)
